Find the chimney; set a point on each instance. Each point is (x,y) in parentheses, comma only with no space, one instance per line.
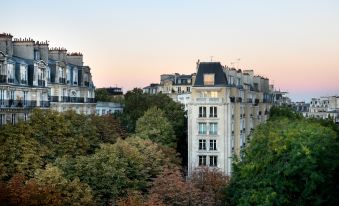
(24,48)
(75,58)
(6,45)
(57,54)
(42,47)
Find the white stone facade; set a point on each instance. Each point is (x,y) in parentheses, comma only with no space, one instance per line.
(226,104)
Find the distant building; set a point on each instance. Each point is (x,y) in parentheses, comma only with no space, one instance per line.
(226,105)
(324,107)
(105,108)
(177,86)
(114,91)
(34,76)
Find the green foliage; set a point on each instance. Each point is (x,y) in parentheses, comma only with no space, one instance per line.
(289,162)
(19,153)
(101,94)
(284,111)
(155,126)
(115,169)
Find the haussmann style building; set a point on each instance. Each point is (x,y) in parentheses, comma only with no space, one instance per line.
(226,105)
(34,76)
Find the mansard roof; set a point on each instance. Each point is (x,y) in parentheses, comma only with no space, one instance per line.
(210,68)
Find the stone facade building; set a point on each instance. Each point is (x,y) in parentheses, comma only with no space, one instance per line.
(34,76)
(177,86)
(226,104)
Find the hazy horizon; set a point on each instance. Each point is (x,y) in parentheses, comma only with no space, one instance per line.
(130,43)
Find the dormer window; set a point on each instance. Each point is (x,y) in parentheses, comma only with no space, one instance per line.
(209,79)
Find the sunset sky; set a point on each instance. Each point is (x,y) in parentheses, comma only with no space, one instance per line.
(295,43)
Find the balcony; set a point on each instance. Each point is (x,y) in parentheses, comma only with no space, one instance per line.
(208,100)
(91,100)
(65,99)
(77,99)
(54,99)
(62,80)
(10,80)
(17,103)
(41,83)
(44,104)
(3,78)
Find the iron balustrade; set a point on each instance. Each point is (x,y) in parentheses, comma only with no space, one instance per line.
(3,78)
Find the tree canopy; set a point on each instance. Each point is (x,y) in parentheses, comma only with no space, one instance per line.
(290,161)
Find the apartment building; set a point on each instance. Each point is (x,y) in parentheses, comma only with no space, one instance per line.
(34,76)
(226,104)
(324,107)
(177,86)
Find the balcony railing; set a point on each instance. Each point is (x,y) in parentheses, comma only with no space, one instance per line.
(62,80)
(209,100)
(65,99)
(3,78)
(10,103)
(41,83)
(44,104)
(54,99)
(10,80)
(91,100)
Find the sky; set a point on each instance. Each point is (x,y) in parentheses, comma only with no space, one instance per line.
(295,43)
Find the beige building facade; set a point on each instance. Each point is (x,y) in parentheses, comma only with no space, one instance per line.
(226,105)
(34,76)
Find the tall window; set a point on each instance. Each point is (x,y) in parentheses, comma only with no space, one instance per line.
(213,161)
(202,128)
(13,118)
(2,97)
(213,144)
(202,160)
(213,128)
(202,144)
(179,89)
(188,89)
(25,117)
(2,119)
(202,111)
(75,76)
(25,98)
(213,112)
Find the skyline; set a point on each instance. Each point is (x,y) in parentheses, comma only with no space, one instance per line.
(130,43)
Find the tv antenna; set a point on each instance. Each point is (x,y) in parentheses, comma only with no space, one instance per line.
(211,58)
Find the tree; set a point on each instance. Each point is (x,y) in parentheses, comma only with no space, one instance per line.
(19,153)
(210,183)
(115,169)
(289,162)
(155,126)
(102,95)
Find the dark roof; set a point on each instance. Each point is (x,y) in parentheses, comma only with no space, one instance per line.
(210,68)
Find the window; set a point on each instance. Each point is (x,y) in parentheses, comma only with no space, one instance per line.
(208,79)
(202,144)
(213,111)
(213,161)
(25,117)
(202,111)
(179,89)
(13,118)
(188,89)
(213,128)
(103,111)
(214,94)
(202,160)
(213,144)
(202,128)
(2,119)
(2,97)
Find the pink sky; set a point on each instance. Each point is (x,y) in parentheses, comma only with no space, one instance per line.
(130,43)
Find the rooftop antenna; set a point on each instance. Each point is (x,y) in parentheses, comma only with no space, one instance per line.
(211,58)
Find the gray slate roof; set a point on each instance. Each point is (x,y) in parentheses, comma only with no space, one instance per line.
(210,68)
